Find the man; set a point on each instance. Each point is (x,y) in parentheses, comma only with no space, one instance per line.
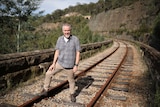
(66,57)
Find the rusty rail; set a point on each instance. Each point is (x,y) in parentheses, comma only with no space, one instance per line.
(94,102)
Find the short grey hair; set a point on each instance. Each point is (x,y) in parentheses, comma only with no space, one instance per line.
(66,24)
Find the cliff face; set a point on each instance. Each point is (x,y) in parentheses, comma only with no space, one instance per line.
(127,17)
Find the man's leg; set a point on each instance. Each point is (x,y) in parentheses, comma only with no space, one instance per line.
(48,76)
(71,80)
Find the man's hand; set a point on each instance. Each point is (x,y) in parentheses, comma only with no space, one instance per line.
(52,67)
(75,68)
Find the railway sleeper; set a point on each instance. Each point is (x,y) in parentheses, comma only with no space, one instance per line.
(115,97)
(121,83)
(64,102)
(120,89)
(7,105)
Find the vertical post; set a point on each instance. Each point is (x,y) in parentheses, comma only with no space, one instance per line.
(18,37)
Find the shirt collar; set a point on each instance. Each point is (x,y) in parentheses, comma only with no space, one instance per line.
(67,39)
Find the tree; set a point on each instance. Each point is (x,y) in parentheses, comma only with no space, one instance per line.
(20,10)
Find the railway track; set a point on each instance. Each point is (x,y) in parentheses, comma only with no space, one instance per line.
(99,79)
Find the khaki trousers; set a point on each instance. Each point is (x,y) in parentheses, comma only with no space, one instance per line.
(58,68)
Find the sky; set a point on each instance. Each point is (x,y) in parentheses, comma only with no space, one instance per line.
(50,6)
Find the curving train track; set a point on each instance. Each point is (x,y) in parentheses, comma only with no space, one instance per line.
(103,80)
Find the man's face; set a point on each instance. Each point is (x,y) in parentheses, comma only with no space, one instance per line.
(66,31)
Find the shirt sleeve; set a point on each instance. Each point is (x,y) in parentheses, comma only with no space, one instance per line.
(57,44)
(78,47)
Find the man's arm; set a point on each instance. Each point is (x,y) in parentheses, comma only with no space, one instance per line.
(55,56)
(54,60)
(77,58)
(77,61)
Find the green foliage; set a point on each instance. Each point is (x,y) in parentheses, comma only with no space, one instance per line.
(154,7)
(40,40)
(157,97)
(13,15)
(156,29)
(19,8)
(7,36)
(155,38)
(7,44)
(112,4)
(143,29)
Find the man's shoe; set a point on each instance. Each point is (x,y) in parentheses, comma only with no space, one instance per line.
(73,98)
(44,93)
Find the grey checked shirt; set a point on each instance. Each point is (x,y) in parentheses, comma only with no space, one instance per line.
(67,51)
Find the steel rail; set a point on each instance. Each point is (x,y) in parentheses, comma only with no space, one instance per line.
(94,101)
